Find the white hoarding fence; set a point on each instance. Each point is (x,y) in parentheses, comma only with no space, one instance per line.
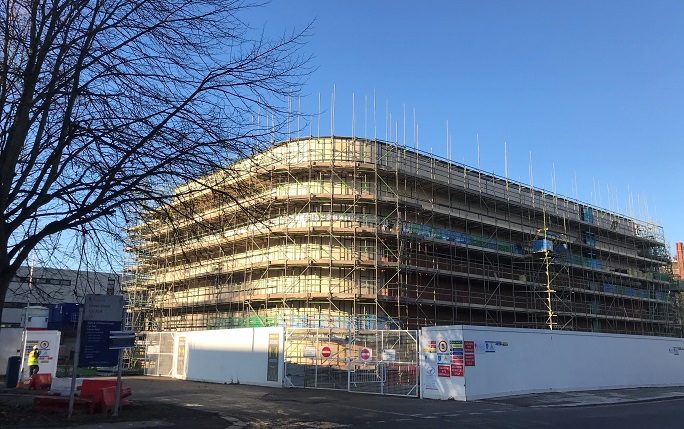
(48,346)
(476,362)
(245,356)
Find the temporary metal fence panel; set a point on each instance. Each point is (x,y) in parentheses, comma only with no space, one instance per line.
(379,362)
(159,348)
(316,358)
(385,362)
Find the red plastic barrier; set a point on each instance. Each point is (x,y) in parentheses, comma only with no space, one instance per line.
(40,382)
(103,394)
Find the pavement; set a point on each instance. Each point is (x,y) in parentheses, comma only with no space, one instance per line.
(593,397)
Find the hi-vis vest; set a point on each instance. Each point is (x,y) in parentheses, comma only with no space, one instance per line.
(33,358)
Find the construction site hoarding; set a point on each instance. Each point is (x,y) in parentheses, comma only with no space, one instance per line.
(478,362)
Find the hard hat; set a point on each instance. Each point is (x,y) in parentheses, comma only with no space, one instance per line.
(35,347)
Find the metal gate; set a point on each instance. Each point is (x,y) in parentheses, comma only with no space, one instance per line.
(380,362)
(159,353)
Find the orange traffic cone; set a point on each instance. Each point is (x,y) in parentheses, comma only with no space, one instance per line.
(20,383)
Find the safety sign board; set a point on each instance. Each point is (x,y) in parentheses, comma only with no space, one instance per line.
(309,351)
(365,354)
(272,365)
(326,352)
(389,355)
(443,347)
(443,370)
(490,345)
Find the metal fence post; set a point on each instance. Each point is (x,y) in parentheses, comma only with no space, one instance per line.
(349,355)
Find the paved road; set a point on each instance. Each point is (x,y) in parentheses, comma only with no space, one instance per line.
(251,406)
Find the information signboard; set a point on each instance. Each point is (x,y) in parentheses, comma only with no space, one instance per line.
(101,315)
(273,357)
(103,308)
(95,349)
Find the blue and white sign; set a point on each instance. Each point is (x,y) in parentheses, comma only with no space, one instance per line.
(102,315)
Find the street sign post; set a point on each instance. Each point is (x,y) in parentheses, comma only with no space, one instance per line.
(100,315)
(119,340)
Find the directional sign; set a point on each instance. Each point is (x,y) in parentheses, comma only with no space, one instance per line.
(365,354)
(121,339)
(326,352)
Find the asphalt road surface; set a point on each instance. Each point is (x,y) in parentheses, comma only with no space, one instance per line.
(258,407)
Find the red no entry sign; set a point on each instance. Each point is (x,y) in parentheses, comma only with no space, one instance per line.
(326,352)
(365,354)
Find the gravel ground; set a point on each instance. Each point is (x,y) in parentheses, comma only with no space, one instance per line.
(17,411)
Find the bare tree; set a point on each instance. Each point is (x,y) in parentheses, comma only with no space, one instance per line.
(106,103)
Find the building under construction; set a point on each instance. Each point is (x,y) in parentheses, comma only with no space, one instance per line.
(342,232)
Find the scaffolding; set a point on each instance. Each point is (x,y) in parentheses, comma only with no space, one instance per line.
(334,232)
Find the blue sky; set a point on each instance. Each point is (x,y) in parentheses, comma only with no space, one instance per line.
(593,90)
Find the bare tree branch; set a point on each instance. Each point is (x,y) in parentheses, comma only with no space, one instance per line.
(105,103)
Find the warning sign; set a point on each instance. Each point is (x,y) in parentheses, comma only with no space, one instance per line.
(457,370)
(443,347)
(469,359)
(443,371)
(365,354)
(389,355)
(326,352)
(443,358)
(469,346)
